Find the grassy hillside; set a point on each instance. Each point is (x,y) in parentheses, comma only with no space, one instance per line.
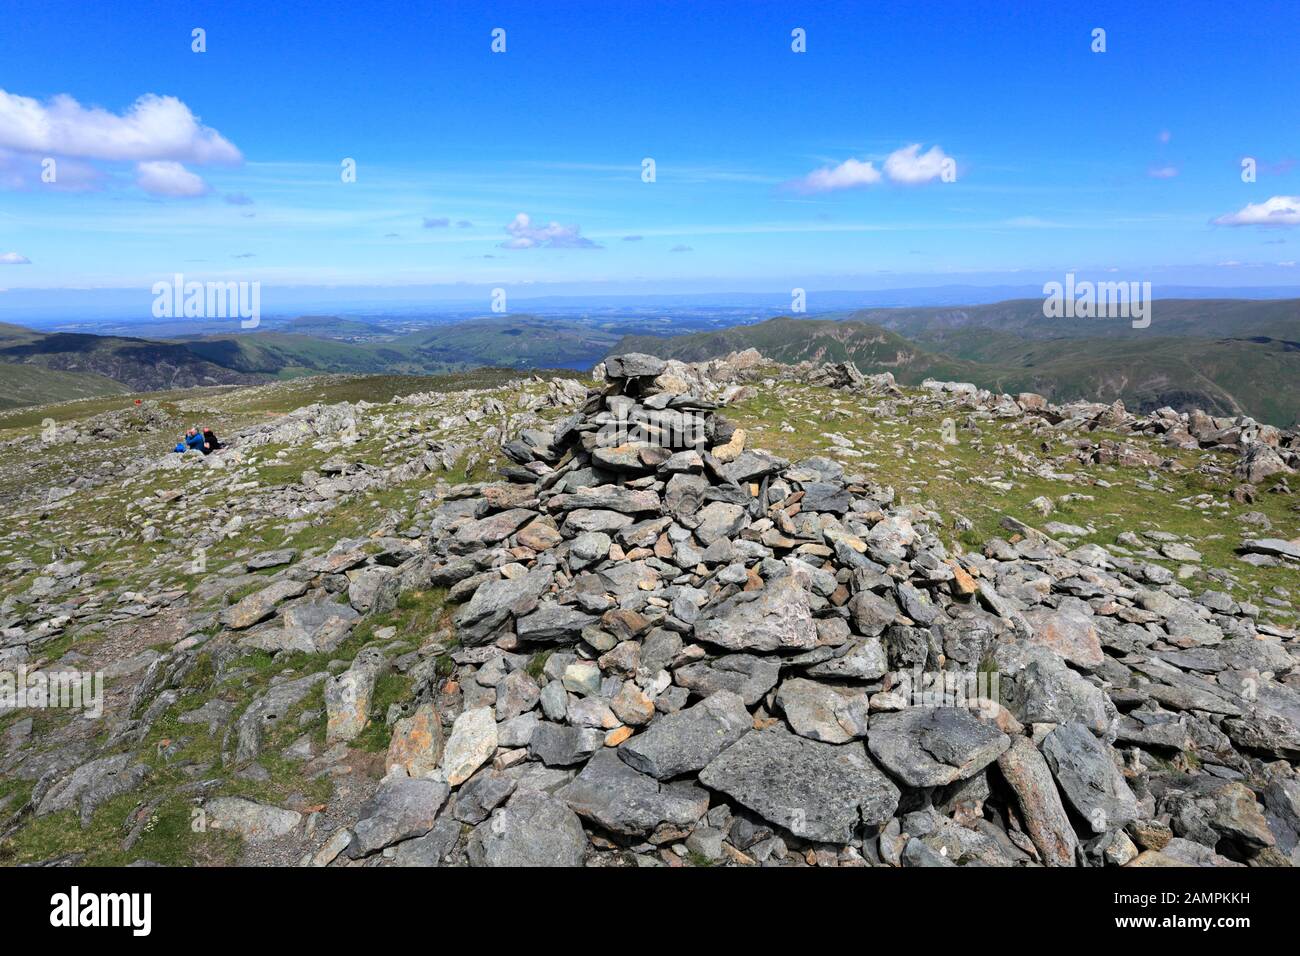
(1197,318)
(517,341)
(1225,376)
(16,334)
(69,366)
(139,364)
(789,340)
(285,355)
(22,385)
(331,326)
(1256,376)
(1226,356)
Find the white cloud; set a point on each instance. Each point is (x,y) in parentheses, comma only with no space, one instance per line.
(1276,211)
(847,175)
(1162,172)
(436,223)
(907,166)
(169,179)
(524,235)
(153,128)
(13,259)
(910,166)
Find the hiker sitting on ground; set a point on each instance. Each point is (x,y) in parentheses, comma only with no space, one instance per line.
(193,439)
(210,443)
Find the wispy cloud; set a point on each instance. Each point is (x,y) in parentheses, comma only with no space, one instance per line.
(1276,211)
(910,166)
(1162,172)
(440,223)
(907,166)
(524,235)
(169,179)
(849,174)
(13,259)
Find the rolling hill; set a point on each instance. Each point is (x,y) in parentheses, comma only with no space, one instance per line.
(1226,356)
(139,364)
(36,367)
(955,330)
(1253,373)
(522,341)
(789,340)
(23,385)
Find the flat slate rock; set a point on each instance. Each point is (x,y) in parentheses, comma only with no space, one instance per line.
(400,809)
(623,800)
(260,604)
(1069,631)
(1027,773)
(778,617)
(634,365)
(1088,777)
(561,745)
(533,829)
(817,712)
(254,822)
(687,740)
(816,791)
(934,746)
(748,675)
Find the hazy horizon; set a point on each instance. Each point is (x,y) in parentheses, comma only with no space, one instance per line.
(90,307)
(666,149)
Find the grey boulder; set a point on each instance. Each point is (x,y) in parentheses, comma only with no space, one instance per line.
(623,800)
(533,829)
(1088,777)
(934,746)
(816,791)
(687,740)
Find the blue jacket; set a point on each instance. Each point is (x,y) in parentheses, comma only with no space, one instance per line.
(194,441)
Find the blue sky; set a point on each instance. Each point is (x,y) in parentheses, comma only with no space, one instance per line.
(1064,159)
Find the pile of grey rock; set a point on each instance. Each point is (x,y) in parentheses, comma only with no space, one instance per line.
(1262,450)
(669,647)
(672,647)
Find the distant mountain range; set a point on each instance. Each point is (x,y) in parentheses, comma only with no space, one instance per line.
(38,367)
(47,308)
(1228,356)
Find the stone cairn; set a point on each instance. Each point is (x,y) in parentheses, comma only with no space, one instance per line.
(674,646)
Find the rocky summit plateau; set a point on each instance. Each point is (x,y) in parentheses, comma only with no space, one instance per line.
(729,613)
